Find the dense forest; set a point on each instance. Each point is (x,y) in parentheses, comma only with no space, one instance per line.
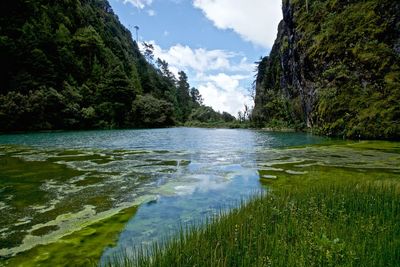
(334,68)
(70,64)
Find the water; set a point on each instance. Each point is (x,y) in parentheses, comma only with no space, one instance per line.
(60,186)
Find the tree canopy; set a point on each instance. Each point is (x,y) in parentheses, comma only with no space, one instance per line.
(71,64)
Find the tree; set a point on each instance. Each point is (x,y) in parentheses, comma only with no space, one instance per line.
(196,96)
(63,35)
(70,64)
(163,67)
(183,96)
(148,52)
(246,112)
(148,111)
(227,117)
(119,92)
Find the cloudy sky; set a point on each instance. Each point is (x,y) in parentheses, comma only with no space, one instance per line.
(216,42)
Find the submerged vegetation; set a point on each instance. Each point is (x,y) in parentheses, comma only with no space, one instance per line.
(317,212)
(81,248)
(63,206)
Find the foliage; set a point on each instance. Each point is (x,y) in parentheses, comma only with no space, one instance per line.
(335,67)
(204,116)
(148,111)
(71,64)
(218,124)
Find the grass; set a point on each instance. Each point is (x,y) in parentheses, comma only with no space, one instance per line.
(327,216)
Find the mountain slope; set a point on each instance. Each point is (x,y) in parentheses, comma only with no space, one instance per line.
(335,68)
(70,64)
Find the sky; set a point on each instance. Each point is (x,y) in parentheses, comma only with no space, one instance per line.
(216,42)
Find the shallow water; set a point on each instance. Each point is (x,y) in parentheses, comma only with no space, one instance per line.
(81,197)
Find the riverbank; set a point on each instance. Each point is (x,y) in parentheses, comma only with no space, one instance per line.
(325,206)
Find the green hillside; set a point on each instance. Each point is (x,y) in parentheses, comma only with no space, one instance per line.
(71,65)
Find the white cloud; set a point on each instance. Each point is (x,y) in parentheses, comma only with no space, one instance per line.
(255,21)
(140,4)
(218,74)
(202,60)
(151,12)
(198,59)
(223,92)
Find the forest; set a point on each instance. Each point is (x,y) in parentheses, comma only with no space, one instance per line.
(72,65)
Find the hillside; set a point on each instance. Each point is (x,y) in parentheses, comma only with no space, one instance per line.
(72,65)
(334,68)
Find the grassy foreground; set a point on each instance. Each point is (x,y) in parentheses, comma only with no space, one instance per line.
(327,216)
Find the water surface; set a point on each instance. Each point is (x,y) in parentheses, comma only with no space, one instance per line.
(102,192)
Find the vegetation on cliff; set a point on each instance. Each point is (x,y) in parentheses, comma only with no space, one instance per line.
(335,67)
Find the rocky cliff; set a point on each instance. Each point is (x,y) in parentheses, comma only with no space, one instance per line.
(334,68)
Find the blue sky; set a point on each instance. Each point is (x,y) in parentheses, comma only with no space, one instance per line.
(216,42)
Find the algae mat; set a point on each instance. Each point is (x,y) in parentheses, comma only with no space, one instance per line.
(67,205)
(374,161)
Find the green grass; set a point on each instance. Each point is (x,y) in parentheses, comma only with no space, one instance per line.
(328,216)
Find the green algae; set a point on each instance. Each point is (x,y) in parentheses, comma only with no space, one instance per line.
(184,162)
(172,163)
(29,197)
(22,179)
(21,186)
(90,180)
(69,153)
(168,163)
(45,230)
(46,194)
(81,248)
(367,161)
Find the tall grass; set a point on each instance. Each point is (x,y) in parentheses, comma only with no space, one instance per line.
(354,224)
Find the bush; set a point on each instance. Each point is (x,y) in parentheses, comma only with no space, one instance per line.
(148,111)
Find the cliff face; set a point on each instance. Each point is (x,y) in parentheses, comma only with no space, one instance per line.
(334,67)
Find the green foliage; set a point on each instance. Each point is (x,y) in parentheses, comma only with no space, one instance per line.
(196,97)
(71,64)
(148,111)
(183,96)
(227,117)
(335,64)
(204,116)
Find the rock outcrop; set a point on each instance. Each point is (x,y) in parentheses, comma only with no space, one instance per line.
(334,68)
